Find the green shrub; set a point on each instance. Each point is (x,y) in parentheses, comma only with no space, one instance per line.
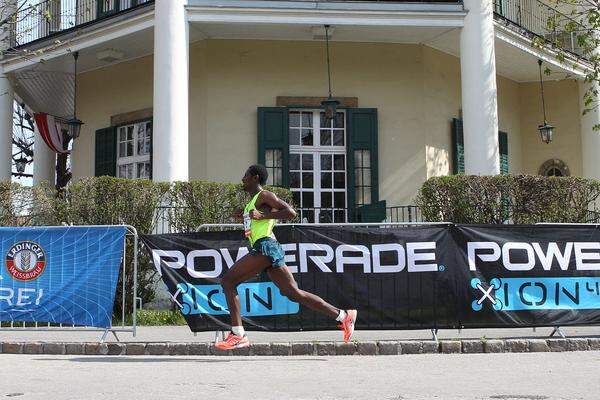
(199,202)
(114,201)
(519,199)
(159,318)
(19,204)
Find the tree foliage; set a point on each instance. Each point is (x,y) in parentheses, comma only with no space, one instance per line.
(579,20)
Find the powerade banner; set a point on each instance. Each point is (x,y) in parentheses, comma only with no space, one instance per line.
(529,275)
(60,275)
(434,276)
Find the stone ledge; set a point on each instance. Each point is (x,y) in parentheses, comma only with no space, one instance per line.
(355,348)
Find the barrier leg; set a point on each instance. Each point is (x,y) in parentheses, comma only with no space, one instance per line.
(434,334)
(103,338)
(116,337)
(559,331)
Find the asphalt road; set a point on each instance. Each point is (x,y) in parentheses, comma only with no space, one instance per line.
(526,376)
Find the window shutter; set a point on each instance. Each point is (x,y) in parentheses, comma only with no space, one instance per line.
(273,135)
(362,141)
(503,144)
(458,146)
(106,152)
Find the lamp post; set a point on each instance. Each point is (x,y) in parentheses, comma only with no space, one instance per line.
(20,164)
(330,104)
(546,130)
(74,124)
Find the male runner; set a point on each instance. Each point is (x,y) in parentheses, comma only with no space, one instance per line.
(266,253)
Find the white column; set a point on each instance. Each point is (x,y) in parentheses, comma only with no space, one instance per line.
(44,161)
(590,139)
(6,98)
(478,78)
(171,64)
(6,127)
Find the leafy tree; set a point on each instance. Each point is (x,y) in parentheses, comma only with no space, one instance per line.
(579,20)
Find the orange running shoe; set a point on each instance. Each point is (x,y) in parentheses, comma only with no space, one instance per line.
(233,342)
(347,324)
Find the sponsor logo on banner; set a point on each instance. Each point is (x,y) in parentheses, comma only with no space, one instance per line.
(524,256)
(256,299)
(25,261)
(412,257)
(519,294)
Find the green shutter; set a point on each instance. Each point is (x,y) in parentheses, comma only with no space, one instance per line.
(273,134)
(458,147)
(498,7)
(503,144)
(106,152)
(362,131)
(376,212)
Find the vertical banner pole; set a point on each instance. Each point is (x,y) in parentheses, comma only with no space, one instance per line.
(123,285)
(135,268)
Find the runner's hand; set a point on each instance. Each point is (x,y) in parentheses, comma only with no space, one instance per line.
(238,214)
(256,215)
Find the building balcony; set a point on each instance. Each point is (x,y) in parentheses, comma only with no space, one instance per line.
(52,17)
(531,18)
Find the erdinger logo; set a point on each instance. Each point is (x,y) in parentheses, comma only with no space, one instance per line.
(25,261)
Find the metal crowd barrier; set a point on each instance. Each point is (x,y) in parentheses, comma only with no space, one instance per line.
(556,329)
(130,235)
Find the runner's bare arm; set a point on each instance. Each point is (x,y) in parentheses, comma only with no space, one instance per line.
(282,210)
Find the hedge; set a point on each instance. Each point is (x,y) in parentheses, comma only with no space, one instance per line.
(518,199)
(114,201)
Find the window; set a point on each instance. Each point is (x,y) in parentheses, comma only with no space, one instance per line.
(274,165)
(362,177)
(317,165)
(554,167)
(134,147)
(316,160)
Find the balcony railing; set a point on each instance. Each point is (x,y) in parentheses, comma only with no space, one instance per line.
(50,17)
(535,17)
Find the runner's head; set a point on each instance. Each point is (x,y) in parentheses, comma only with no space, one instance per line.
(255,175)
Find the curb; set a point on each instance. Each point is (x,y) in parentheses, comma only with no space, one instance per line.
(365,348)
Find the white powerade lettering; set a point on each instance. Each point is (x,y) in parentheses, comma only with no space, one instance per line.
(415,257)
(586,254)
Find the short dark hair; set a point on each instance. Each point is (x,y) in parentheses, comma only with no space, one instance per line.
(259,170)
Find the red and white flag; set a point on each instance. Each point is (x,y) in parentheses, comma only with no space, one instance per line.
(51,131)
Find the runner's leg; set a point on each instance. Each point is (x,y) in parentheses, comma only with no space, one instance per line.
(245,268)
(283,278)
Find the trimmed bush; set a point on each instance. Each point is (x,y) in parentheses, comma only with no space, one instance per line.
(19,205)
(139,203)
(518,199)
(199,202)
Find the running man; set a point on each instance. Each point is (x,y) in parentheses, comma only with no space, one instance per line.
(266,253)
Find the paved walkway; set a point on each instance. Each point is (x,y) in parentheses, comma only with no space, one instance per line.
(509,376)
(179,334)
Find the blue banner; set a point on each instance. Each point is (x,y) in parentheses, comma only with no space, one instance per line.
(60,275)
